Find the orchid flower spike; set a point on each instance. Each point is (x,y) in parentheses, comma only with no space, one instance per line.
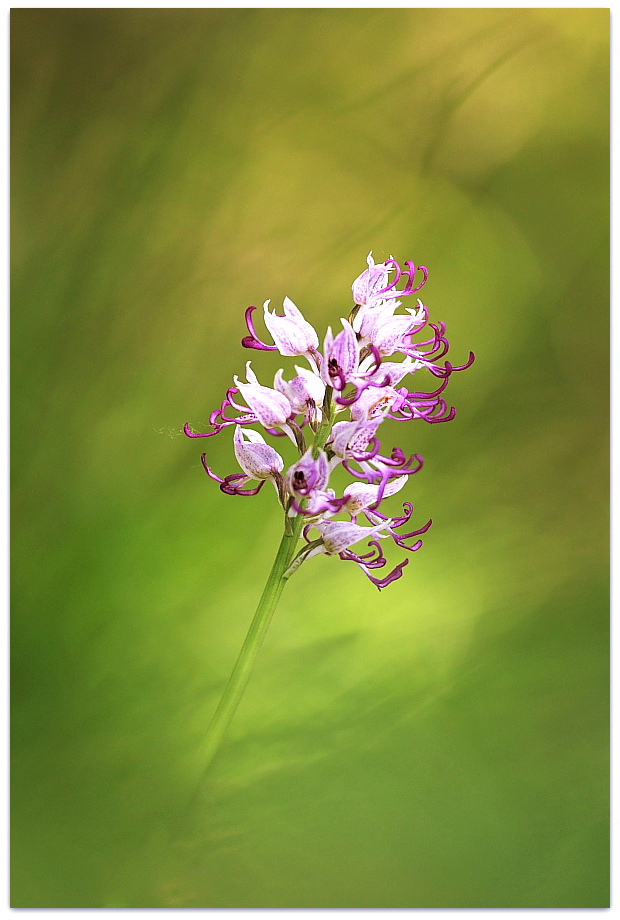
(350,377)
(341,401)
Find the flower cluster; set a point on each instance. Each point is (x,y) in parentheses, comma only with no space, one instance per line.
(344,395)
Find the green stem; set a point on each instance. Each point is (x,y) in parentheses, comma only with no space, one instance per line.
(264,612)
(260,624)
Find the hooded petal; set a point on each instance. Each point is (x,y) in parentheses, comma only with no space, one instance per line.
(257,459)
(352,436)
(339,535)
(272,409)
(362,495)
(341,356)
(302,390)
(367,286)
(372,317)
(376,402)
(389,335)
(309,475)
(292,334)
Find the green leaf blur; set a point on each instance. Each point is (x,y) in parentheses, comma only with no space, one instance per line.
(443,743)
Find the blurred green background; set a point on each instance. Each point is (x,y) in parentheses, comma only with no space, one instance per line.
(443,743)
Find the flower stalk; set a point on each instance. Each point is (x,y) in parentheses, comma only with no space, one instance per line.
(258,628)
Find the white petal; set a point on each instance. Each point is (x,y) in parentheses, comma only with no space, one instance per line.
(250,376)
(254,437)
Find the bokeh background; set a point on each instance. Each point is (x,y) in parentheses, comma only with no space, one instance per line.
(443,743)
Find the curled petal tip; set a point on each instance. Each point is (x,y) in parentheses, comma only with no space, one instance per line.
(394,575)
(203,434)
(252,340)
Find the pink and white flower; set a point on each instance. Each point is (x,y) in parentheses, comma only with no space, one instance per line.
(352,377)
(272,409)
(292,334)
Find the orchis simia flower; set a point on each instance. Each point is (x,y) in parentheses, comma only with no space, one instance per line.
(342,399)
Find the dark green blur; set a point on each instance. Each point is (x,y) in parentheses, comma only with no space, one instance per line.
(443,743)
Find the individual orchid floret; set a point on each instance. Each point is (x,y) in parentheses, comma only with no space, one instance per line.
(375,377)
(370,285)
(340,357)
(382,470)
(340,535)
(307,481)
(219,420)
(305,392)
(308,474)
(292,334)
(388,331)
(379,468)
(388,373)
(321,504)
(374,289)
(235,483)
(362,495)
(257,459)
(354,440)
(375,402)
(272,409)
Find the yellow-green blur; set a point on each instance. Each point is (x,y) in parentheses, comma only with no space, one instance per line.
(443,743)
